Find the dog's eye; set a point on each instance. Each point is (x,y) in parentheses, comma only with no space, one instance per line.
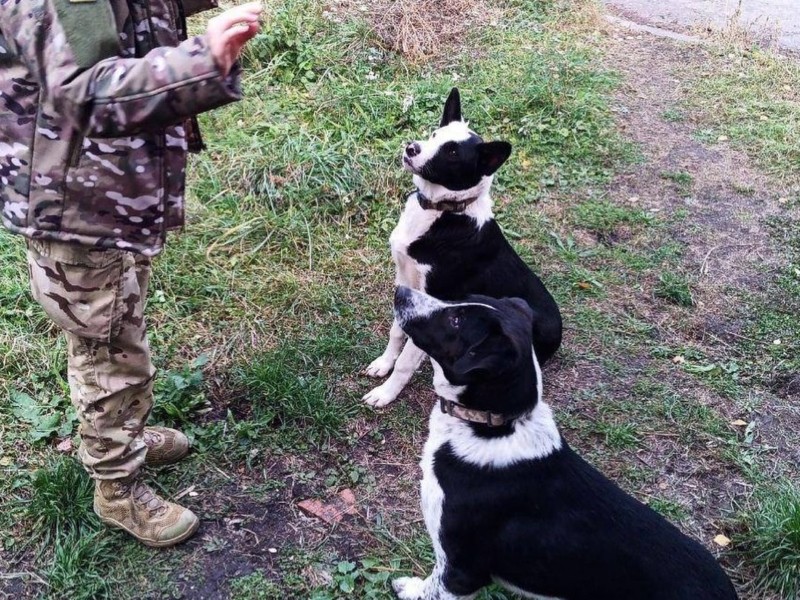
(452,152)
(455,321)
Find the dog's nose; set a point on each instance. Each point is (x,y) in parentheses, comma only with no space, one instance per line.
(413,149)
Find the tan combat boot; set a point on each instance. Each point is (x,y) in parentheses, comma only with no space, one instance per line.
(164,446)
(131,505)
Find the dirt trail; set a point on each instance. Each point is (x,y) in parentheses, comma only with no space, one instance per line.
(727,250)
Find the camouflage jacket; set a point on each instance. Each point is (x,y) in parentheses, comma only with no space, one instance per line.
(97,105)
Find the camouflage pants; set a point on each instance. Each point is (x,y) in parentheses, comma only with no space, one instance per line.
(97,298)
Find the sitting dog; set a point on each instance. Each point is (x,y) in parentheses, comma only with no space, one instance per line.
(448,244)
(504,497)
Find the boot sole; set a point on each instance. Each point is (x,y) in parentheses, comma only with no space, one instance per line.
(159,544)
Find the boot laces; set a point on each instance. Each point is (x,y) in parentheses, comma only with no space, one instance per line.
(143,495)
(151,438)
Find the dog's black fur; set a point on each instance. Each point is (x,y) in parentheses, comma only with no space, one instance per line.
(450,254)
(548,524)
(466,260)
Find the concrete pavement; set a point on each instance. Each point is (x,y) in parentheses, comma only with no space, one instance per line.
(780,17)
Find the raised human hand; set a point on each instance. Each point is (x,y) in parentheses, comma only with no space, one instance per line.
(229,32)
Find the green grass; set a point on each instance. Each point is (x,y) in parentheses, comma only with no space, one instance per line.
(256,586)
(290,389)
(67,533)
(602,217)
(668,508)
(772,539)
(78,564)
(683,181)
(751,98)
(674,115)
(62,498)
(675,288)
(619,436)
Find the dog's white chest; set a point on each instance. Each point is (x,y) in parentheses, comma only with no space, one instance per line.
(413,224)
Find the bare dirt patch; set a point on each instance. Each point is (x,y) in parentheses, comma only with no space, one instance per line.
(252,522)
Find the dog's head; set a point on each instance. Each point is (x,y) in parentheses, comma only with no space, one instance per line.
(454,157)
(481,342)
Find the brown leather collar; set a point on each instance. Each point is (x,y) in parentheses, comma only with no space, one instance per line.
(471,415)
(444,205)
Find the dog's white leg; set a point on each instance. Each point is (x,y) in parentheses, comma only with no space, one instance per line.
(410,588)
(431,588)
(407,363)
(381,366)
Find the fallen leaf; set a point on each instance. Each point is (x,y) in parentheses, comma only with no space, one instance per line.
(5,461)
(584,286)
(332,512)
(722,540)
(65,446)
(722,138)
(662,486)
(349,498)
(739,423)
(678,360)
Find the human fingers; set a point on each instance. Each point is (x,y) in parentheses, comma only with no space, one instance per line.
(233,39)
(230,44)
(245,13)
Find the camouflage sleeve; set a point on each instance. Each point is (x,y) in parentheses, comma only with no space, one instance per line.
(117,96)
(192,7)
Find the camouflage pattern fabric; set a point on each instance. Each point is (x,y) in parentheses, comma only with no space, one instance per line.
(97,298)
(96,156)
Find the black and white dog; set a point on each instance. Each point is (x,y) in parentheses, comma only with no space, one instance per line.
(504,497)
(448,244)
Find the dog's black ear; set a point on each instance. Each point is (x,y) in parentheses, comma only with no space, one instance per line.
(492,155)
(520,306)
(493,354)
(452,108)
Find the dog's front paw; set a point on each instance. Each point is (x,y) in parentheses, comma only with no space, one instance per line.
(381,396)
(379,367)
(408,588)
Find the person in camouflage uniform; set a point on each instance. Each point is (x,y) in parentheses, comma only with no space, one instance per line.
(97,112)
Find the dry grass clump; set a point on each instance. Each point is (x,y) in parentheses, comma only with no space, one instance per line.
(741,35)
(419,29)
